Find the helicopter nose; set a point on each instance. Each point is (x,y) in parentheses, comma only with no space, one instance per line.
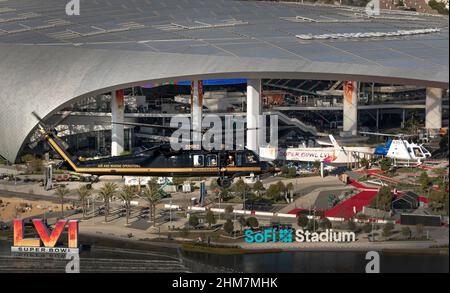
(270,168)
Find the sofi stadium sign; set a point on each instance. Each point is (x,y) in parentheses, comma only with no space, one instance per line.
(46,243)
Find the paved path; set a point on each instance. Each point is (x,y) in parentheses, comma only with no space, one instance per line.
(310,199)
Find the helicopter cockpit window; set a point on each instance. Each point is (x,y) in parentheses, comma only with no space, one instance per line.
(239,159)
(231,162)
(211,160)
(425,152)
(251,159)
(418,152)
(198,161)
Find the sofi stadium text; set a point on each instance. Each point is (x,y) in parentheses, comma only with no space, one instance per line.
(226,283)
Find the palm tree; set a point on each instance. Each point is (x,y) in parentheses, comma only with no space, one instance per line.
(127,194)
(258,187)
(290,188)
(62,191)
(83,195)
(107,191)
(151,194)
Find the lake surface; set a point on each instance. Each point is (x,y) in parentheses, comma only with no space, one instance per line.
(325,262)
(159,259)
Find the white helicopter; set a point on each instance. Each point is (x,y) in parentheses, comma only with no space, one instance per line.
(400,148)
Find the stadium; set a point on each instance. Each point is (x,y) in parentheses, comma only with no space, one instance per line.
(355,99)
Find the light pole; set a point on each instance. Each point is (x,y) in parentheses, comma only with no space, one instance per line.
(93,208)
(170,212)
(219,205)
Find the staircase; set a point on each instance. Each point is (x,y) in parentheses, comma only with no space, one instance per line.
(294,122)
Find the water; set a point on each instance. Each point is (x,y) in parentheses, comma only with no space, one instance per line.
(324,262)
(139,257)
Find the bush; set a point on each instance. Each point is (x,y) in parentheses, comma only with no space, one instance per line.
(284,169)
(302,221)
(292,173)
(406,232)
(367,228)
(229,209)
(325,224)
(193,221)
(252,222)
(312,225)
(273,192)
(383,200)
(385,164)
(228,226)
(438,6)
(210,219)
(365,163)
(351,225)
(424,180)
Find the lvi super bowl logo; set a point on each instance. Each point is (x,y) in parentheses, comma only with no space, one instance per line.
(47,241)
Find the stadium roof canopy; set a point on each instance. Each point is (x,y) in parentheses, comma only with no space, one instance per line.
(47,58)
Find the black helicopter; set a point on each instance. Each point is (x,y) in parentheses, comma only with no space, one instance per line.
(163,161)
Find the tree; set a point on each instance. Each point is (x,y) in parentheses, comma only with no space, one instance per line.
(325,224)
(228,226)
(61,192)
(292,172)
(106,193)
(413,123)
(290,188)
(439,6)
(33,164)
(316,165)
(127,194)
(224,194)
(229,211)
(284,170)
(152,196)
(83,195)
(424,180)
(210,219)
(242,221)
(367,228)
(273,192)
(177,181)
(193,221)
(386,164)
(302,221)
(437,200)
(252,222)
(351,225)
(383,200)
(242,188)
(282,188)
(312,225)
(365,163)
(258,187)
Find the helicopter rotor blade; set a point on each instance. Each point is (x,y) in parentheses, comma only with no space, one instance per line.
(176,128)
(147,125)
(385,134)
(40,120)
